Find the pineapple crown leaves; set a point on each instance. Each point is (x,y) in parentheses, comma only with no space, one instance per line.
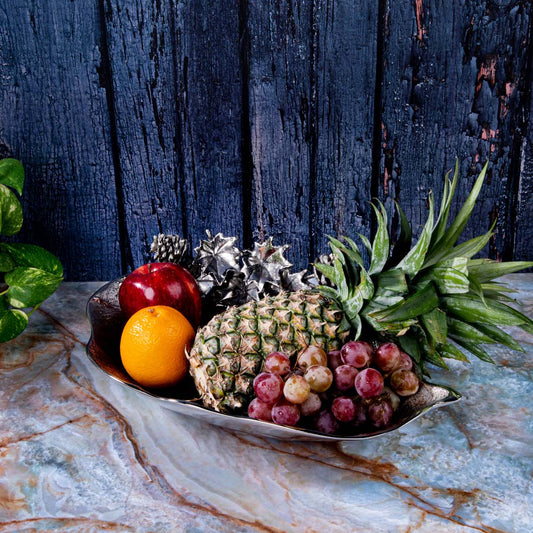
(433,298)
(353,282)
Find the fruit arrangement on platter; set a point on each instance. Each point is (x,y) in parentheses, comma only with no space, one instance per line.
(335,348)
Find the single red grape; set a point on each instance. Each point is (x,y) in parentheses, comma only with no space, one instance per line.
(343,409)
(319,378)
(369,383)
(312,405)
(404,382)
(312,355)
(345,377)
(334,359)
(387,357)
(380,412)
(260,410)
(285,413)
(296,389)
(268,387)
(325,422)
(357,354)
(277,363)
(406,363)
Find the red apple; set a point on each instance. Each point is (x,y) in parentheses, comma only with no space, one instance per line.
(162,284)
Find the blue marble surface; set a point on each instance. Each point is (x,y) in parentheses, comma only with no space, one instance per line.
(80,452)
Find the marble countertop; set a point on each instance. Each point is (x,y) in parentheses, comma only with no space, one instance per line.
(80,452)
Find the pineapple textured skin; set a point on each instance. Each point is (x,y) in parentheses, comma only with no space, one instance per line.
(229,351)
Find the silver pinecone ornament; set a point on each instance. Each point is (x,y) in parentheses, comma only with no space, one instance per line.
(169,249)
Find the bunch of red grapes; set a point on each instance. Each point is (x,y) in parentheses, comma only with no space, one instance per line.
(344,391)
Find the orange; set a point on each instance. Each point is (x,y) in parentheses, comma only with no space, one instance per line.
(153,345)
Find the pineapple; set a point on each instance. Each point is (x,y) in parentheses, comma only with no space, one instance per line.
(432,298)
(228,352)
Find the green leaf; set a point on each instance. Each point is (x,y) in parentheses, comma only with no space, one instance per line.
(366,286)
(349,264)
(499,297)
(353,246)
(10,212)
(366,242)
(441,248)
(495,291)
(352,305)
(471,309)
(391,328)
(403,244)
(444,211)
(436,359)
(380,245)
(328,271)
(473,348)
(328,292)
(29,286)
(451,352)
(500,336)
(429,352)
(6,262)
(411,345)
(391,282)
(494,287)
(31,255)
(418,304)
(467,331)
(355,323)
(360,284)
(487,269)
(528,328)
(357,296)
(382,301)
(457,263)
(340,276)
(469,248)
(352,253)
(414,260)
(476,288)
(12,323)
(449,280)
(12,174)
(435,325)
(377,305)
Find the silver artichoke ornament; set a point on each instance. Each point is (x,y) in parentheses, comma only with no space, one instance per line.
(264,265)
(216,255)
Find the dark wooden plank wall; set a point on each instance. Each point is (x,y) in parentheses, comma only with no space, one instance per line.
(280,118)
(54,116)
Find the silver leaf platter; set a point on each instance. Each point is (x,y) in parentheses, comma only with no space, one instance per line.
(107,320)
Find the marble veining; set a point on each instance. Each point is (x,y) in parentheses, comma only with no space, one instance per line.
(80,452)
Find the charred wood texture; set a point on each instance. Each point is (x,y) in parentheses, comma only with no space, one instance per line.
(281,118)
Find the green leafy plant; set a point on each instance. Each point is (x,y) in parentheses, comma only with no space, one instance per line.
(28,273)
